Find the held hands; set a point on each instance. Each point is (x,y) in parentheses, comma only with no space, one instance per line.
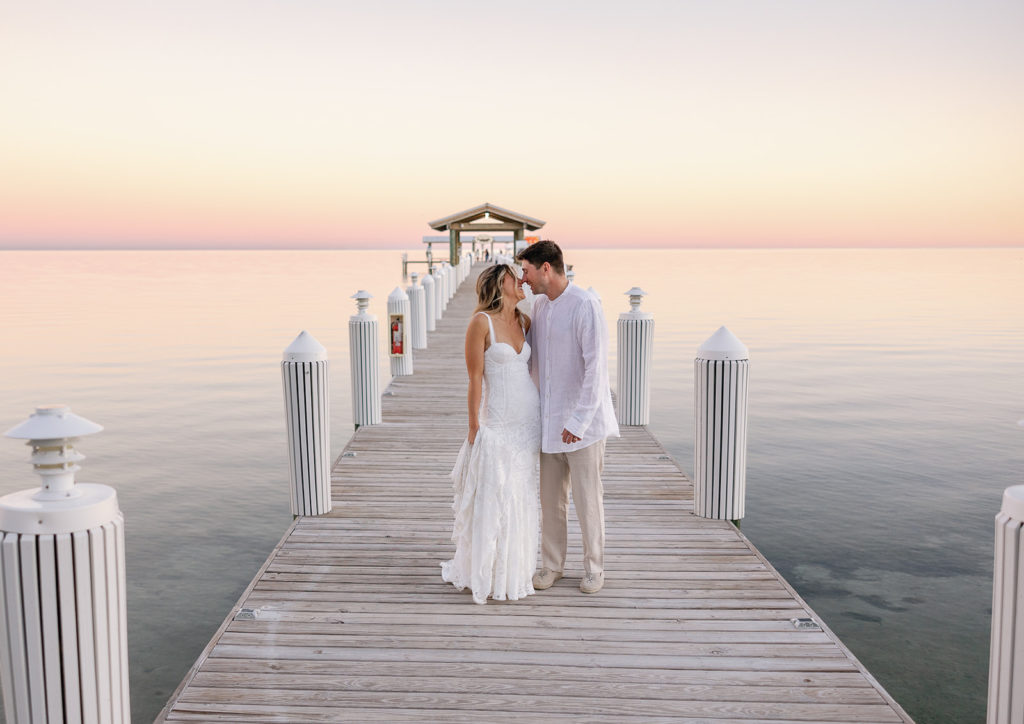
(568,438)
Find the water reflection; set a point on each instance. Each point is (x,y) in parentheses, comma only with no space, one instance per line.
(885,388)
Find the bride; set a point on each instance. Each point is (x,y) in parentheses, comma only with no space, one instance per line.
(495,475)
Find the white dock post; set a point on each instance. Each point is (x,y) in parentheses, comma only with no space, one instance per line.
(417,313)
(304,369)
(429,303)
(570,274)
(64,635)
(720,427)
(399,336)
(636,338)
(363,341)
(1006,654)
(446,285)
(439,304)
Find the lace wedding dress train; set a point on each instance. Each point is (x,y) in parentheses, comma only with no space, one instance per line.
(496,527)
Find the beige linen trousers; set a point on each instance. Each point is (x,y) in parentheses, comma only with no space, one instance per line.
(580,471)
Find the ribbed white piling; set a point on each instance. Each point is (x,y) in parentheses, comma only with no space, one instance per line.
(363,349)
(720,427)
(1006,654)
(439,304)
(63,637)
(446,285)
(399,336)
(636,338)
(429,303)
(417,313)
(304,376)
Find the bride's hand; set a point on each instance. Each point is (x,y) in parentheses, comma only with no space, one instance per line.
(472,434)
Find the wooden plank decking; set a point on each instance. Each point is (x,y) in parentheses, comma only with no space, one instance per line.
(355,624)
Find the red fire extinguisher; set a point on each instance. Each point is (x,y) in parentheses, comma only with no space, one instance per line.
(396,336)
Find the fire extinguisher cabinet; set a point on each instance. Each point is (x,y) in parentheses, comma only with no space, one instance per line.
(399,338)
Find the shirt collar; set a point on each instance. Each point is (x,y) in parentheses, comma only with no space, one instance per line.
(561,296)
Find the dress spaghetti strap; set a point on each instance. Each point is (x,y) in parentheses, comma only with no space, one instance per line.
(489,324)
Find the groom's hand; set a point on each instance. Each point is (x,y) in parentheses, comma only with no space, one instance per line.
(568,437)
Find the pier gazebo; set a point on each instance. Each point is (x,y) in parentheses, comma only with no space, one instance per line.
(483,218)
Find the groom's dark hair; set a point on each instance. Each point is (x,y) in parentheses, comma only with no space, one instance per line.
(542,251)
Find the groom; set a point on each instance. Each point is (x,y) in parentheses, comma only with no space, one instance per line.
(569,339)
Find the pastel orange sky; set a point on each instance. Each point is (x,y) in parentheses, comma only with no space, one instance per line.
(317,124)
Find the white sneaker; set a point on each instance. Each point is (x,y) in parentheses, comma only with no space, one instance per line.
(592,583)
(545,578)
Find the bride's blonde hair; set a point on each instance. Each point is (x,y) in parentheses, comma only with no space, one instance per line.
(488,288)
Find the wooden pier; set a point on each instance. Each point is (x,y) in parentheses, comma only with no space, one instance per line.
(353,623)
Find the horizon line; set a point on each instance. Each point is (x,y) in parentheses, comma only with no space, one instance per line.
(694,247)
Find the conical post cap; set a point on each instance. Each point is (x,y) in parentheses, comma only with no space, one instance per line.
(305,348)
(723,345)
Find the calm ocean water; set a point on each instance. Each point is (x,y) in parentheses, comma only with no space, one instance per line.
(885,390)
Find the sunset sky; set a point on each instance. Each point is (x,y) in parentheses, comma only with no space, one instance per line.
(333,124)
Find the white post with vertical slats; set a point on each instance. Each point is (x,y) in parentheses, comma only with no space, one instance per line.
(1006,654)
(364,349)
(720,427)
(636,338)
(399,336)
(439,304)
(429,302)
(64,633)
(446,285)
(304,374)
(417,313)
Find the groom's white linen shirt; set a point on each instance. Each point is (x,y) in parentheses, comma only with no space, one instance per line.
(570,365)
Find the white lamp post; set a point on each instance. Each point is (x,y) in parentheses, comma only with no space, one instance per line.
(636,337)
(64,640)
(363,349)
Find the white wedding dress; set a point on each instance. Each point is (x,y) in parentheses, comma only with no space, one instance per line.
(495,479)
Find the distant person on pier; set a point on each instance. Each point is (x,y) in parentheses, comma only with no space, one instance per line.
(495,475)
(570,365)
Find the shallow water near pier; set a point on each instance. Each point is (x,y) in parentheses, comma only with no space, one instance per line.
(885,390)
